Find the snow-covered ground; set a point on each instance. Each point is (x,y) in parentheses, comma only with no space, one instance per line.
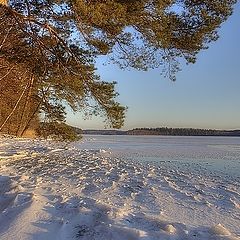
(50,191)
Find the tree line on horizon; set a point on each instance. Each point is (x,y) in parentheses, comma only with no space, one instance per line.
(183,132)
(48,52)
(166,131)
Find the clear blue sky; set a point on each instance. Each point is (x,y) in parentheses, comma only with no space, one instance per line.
(205,95)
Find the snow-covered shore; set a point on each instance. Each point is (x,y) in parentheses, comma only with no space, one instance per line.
(48,191)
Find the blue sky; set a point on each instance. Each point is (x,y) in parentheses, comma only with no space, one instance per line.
(205,95)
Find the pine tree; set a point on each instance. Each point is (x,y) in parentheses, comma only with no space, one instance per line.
(54,44)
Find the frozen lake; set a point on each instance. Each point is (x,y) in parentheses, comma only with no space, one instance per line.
(216,155)
(120,187)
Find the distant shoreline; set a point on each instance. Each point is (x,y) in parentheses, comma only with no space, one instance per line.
(166,132)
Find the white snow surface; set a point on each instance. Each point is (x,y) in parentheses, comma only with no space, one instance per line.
(50,191)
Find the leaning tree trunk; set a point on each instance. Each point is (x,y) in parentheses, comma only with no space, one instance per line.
(30,119)
(25,112)
(15,106)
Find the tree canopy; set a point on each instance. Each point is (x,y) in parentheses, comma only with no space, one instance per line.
(48,50)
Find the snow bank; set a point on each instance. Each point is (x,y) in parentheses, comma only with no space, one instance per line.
(52,192)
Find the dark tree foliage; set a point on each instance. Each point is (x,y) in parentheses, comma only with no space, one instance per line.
(54,44)
(58,131)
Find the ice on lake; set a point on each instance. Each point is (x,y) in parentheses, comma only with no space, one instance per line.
(120,187)
(219,155)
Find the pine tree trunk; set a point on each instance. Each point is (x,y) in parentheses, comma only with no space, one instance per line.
(16,105)
(25,114)
(29,120)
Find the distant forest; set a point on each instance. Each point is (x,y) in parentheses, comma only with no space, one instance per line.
(166,131)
